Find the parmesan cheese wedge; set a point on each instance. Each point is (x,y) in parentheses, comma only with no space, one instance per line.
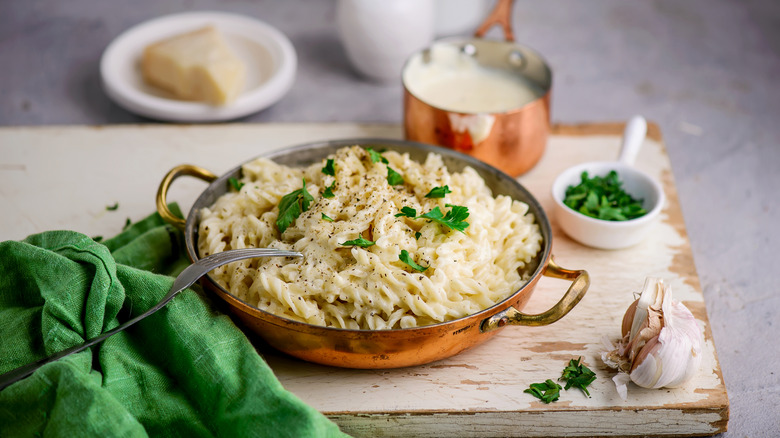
(196,65)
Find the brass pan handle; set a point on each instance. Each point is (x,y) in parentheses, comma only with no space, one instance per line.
(511,316)
(162,191)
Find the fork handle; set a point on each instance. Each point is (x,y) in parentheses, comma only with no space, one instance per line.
(20,373)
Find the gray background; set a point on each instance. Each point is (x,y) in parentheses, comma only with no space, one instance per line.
(706,71)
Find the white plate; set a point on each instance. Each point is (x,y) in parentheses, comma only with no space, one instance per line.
(269,57)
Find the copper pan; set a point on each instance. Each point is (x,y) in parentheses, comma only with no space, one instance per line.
(382,348)
(517,137)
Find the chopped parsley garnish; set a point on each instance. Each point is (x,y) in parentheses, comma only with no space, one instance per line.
(547,391)
(603,198)
(454,219)
(407,212)
(128,222)
(394,178)
(376,156)
(98,238)
(327,218)
(112,207)
(575,374)
(291,206)
(438,192)
(328,192)
(417,235)
(361,242)
(235,183)
(578,376)
(328,169)
(406,258)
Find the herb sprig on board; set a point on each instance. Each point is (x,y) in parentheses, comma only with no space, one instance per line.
(578,375)
(575,374)
(547,391)
(603,198)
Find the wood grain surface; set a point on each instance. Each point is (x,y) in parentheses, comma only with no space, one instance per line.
(64,177)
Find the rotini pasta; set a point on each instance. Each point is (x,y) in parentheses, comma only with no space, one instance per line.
(370,287)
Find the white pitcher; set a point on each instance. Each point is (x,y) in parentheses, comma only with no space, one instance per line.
(378,35)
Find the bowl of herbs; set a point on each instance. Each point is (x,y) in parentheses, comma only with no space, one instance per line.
(609,204)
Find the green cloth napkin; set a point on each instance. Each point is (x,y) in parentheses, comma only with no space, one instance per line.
(187,370)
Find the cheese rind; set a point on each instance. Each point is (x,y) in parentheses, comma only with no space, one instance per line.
(197,66)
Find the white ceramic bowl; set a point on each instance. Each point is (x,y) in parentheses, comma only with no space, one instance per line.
(605,234)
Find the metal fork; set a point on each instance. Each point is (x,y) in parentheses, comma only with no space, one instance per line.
(188,276)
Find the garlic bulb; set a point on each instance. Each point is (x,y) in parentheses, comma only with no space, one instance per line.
(661,344)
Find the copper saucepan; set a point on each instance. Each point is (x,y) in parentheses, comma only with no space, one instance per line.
(382,348)
(511,136)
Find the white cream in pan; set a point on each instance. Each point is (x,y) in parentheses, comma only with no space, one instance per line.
(451,80)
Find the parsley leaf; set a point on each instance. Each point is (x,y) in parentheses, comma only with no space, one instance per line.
(235,183)
(417,235)
(112,207)
(438,192)
(376,156)
(394,178)
(578,376)
(407,212)
(547,391)
(328,169)
(328,192)
(406,258)
(603,197)
(454,219)
(327,218)
(360,241)
(292,205)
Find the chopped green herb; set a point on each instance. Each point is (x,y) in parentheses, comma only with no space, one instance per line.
(406,258)
(407,212)
(376,156)
(438,192)
(547,391)
(291,206)
(112,207)
(578,376)
(454,219)
(98,238)
(328,169)
(235,183)
(128,222)
(603,198)
(417,235)
(328,192)
(327,218)
(394,178)
(361,242)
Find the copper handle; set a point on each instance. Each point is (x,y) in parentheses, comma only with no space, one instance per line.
(511,316)
(162,191)
(501,15)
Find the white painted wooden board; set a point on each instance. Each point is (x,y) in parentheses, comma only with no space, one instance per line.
(64,177)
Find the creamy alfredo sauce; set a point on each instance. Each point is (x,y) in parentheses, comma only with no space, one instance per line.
(454,81)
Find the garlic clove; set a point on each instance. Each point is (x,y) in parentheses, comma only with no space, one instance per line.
(628,319)
(661,345)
